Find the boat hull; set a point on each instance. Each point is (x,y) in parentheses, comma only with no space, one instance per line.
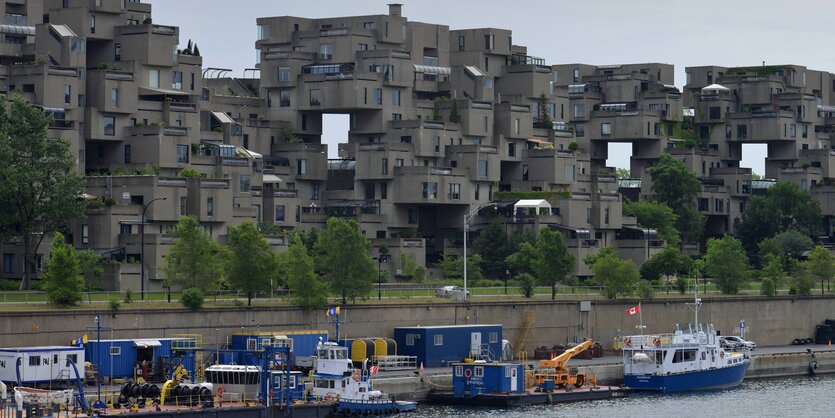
(370,407)
(721,378)
(585,393)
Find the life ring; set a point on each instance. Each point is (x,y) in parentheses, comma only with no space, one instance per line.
(656,341)
(468,373)
(627,341)
(357,375)
(220,390)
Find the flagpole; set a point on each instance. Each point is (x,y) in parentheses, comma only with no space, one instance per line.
(641,317)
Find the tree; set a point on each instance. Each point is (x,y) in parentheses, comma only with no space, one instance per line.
(522,261)
(796,207)
(192,298)
(554,263)
(819,264)
(91,268)
(453,112)
(793,243)
(62,274)
(453,267)
(767,287)
(676,186)
(655,215)
(803,281)
(411,269)
(527,283)
(624,173)
(194,260)
(773,271)
(618,277)
(307,289)
(39,187)
(543,113)
(342,258)
(252,265)
(727,263)
(667,262)
(492,244)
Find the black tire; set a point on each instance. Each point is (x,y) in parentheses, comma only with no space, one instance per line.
(580,381)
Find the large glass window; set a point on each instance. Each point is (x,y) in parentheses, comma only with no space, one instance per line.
(109,125)
(245,181)
(114,97)
(395,97)
(8,263)
(454,191)
(127,154)
(301,168)
(263,32)
(182,153)
(482,168)
(67,94)
(315,97)
(153,78)
(177,80)
(378,96)
(284,98)
(606,128)
(283,74)
(430,190)
(326,51)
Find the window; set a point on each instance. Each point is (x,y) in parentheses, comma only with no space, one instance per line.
(92,24)
(459,371)
(454,191)
(67,94)
(511,149)
(177,80)
(482,168)
(365,95)
(245,181)
(284,98)
(384,192)
(396,116)
(153,78)
(279,213)
(263,32)
(369,191)
(210,206)
(516,126)
(741,131)
(430,190)
(385,166)
(85,234)
(728,131)
(34,360)
(486,124)
(191,85)
(493,337)
(127,153)
(437,144)
(412,215)
(182,153)
(114,97)
(606,216)
(525,172)
(378,96)
(398,162)
(109,125)
(82,100)
(125,229)
(410,339)
(314,191)
(606,128)
(8,263)
(183,205)
(478,371)
(283,74)
(301,167)
(709,77)
(579,110)
(315,97)
(115,351)
(793,130)
(395,97)
(805,131)
(461,48)
(715,112)
(71,357)
(325,51)
(489,41)
(438,339)
(576,75)
(362,47)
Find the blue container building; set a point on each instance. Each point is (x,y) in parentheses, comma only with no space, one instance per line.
(472,379)
(121,358)
(437,346)
(302,344)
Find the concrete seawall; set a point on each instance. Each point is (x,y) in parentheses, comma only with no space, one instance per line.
(772,321)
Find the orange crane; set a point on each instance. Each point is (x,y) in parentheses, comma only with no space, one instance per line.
(554,369)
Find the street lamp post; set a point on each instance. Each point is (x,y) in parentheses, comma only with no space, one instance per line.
(467,219)
(142,247)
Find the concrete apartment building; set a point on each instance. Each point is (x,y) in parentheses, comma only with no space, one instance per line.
(441,122)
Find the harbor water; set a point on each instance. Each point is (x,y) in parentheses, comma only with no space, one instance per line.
(784,397)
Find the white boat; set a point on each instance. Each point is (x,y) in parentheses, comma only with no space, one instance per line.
(691,359)
(42,396)
(336,378)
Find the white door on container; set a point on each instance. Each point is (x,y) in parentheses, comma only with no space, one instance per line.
(513,379)
(475,343)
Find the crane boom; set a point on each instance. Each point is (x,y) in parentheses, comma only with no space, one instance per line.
(558,362)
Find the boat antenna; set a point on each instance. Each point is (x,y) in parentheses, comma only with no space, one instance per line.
(697,303)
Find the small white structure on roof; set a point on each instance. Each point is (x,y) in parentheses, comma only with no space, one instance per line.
(715,88)
(532,206)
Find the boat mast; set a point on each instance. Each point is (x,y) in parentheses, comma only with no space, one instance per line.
(696,305)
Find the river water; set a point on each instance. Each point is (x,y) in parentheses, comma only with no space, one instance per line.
(784,397)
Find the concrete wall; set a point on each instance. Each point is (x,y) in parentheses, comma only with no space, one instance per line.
(775,321)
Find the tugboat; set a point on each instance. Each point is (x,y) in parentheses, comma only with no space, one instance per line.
(691,359)
(335,378)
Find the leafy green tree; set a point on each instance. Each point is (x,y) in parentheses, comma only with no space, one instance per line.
(803,281)
(411,269)
(759,221)
(453,112)
(727,263)
(194,260)
(39,187)
(773,271)
(797,208)
(342,258)
(655,215)
(794,243)
(554,263)
(767,287)
(819,264)
(523,260)
(192,298)
(91,268)
(62,276)
(453,267)
(492,244)
(676,186)
(645,290)
(543,113)
(668,262)
(251,265)
(618,277)
(307,289)
(624,173)
(528,283)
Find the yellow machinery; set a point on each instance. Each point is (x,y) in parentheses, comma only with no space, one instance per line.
(554,369)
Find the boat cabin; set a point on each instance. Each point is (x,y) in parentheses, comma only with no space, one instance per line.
(293,384)
(40,364)
(470,379)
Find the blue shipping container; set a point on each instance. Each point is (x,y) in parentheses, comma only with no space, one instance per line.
(438,346)
(472,379)
(303,343)
(119,358)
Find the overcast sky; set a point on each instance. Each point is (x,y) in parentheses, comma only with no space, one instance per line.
(706,32)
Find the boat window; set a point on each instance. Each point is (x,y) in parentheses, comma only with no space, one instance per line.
(479,371)
(340,354)
(362,389)
(459,371)
(684,356)
(659,357)
(704,355)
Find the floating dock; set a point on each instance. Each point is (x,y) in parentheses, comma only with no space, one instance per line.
(585,393)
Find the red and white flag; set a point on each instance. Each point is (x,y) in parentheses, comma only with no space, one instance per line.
(633,310)
(374,369)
